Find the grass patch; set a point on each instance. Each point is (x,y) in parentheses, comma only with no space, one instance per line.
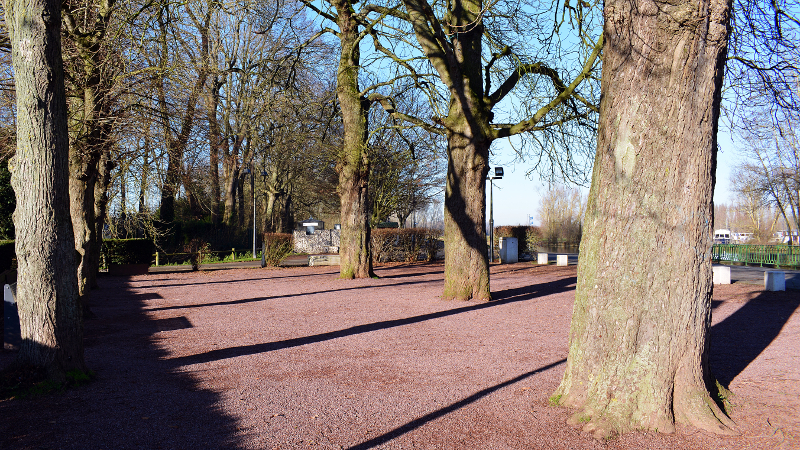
(19,382)
(555,400)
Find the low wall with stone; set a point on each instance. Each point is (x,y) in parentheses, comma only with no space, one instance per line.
(322,241)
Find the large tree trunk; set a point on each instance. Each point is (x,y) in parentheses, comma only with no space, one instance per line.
(47,288)
(104,168)
(638,342)
(466,267)
(92,82)
(354,162)
(286,224)
(231,179)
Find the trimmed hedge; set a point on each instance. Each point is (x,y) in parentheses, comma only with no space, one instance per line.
(7,255)
(404,244)
(128,251)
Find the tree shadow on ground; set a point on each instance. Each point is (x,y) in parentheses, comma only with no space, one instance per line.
(738,339)
(137,400)
(416,423)
(240,301)
(266,276)
(503,297)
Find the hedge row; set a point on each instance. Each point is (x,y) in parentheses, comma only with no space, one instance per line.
(116,251)
(529,239)
(128,251)
(7,255)
(405,244)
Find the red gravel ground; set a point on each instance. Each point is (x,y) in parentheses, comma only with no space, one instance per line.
(296,358)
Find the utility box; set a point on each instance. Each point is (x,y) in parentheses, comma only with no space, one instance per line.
(509,250)
(721,274)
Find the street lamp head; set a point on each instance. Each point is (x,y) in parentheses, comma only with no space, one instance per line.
(498,172)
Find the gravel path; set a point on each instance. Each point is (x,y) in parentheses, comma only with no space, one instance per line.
(296,358)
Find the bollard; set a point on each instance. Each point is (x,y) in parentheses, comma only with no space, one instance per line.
(542,258)
(774,280)
(721,274)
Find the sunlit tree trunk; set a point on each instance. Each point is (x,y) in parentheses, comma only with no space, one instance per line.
(354,162)
(638,341)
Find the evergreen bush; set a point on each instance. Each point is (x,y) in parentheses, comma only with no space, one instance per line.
(8,255)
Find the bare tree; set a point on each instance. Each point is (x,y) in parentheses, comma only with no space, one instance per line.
(772,171)
(561,214)
(471,47)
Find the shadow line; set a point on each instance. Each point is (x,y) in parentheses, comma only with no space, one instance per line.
(740,338)
(507,296)
(416,423)
(134,283)
(273,297)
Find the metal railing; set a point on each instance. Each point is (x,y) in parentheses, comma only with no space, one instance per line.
(770,255)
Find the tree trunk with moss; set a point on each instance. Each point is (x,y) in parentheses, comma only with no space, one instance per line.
(92,81)
(47,288)
(354,162)
(466,268)
(638,341)
(469,136)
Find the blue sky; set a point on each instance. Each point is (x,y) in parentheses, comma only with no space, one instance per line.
(516,197)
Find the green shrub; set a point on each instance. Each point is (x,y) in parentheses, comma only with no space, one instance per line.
(528,238)
(128,251)
(277,246)
(8,255)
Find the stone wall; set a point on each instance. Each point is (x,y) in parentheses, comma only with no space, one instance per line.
(322,241)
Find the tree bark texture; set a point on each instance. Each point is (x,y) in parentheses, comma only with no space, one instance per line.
(466,268)
(638,340)
(47,288)
(93,124)
(354,163)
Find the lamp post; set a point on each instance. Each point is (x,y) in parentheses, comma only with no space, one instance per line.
(498,174)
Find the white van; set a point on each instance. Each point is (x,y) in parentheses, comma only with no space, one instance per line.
(722,236)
